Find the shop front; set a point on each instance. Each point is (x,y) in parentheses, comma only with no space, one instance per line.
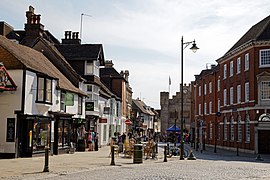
(33,134)
(62,133)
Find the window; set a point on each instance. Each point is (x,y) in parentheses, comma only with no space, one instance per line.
(247,128)
(219,130)
(225,97)
(231,68)
(239,127)
(225,71)
(205,108)
(210,107)
(218,108)
(238,94)
(232,128)
(89,87)
(246,61)
(231,95)
(211,130)
(205,89)
(44,90)
(238,65)
(79,105)
(265,90)
(200,109)
(62,102)
(265,58)
(225,137)
(247,92)
(200,90)
(210,87)
(89,68)
(218,85)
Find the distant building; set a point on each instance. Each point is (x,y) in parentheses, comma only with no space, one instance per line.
(171,109)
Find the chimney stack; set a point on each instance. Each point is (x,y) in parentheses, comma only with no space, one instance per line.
(33,28)
(108,64)
(71,38)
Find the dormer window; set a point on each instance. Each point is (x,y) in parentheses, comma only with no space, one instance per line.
(44,90)
(89,68)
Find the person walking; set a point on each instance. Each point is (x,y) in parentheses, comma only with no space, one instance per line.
(90,141)
(96,141)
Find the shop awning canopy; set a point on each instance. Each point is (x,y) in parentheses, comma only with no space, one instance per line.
(6,83)
(173,128)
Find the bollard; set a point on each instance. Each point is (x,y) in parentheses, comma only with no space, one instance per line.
(46,166)
(165,154)
(112,155)
(157,147)
(237,151)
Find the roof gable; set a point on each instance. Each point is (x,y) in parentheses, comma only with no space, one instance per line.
(260,31)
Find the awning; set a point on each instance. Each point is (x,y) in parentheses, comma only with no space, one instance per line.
(173,128)
(6,82)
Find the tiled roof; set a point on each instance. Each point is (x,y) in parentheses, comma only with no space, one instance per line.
(35,61)
(82,52)
(142,107)
(260,31)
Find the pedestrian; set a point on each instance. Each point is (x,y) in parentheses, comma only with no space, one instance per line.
(96,141)
(90,141)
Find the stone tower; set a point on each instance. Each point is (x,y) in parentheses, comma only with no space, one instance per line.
(164,112)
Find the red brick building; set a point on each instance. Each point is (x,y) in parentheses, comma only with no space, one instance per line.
(232,99)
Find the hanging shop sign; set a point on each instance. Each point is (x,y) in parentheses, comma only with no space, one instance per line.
(6,82)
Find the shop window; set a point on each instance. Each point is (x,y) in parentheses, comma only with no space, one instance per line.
(232,128)
(247,128)
(40,135)
(44,90)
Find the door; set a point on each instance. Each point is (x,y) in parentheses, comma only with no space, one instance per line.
(264,141)
(25,140)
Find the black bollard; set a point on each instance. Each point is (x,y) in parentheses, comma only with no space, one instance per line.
(112,155)
(165,154)
(46,166)
(237,150)
(156,147)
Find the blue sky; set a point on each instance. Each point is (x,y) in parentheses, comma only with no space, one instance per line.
(144,36)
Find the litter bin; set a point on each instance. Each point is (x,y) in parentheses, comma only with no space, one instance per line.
(81,145)
(138,154)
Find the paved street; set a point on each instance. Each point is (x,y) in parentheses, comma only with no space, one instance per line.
(96,165)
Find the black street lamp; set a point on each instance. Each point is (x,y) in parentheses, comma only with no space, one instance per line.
(194,48)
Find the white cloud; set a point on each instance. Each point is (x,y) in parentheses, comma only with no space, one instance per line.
(144,36)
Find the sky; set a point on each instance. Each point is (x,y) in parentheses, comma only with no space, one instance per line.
(144,36)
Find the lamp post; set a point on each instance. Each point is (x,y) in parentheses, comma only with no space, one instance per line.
(194,48)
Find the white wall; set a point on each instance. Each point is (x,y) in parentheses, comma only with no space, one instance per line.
(9,102)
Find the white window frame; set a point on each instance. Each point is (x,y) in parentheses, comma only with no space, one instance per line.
(218,85)
(265,90)
(246,61)
(224,71)
(231,95)
(238,94)
(239,65)
(225,129)
(265,58)
(210,87)
(205,108)
(225,97)
(247,92)
(200,91)
(232,128)
(210,107)
(218,108)
(247,128)
(210,130)
(205,89)
(239,129)
(200,109)
(231,68)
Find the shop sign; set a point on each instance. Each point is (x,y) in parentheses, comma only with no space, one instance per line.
(89,106)
(6,83)
(10,137)
(69,99)
(102,120)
